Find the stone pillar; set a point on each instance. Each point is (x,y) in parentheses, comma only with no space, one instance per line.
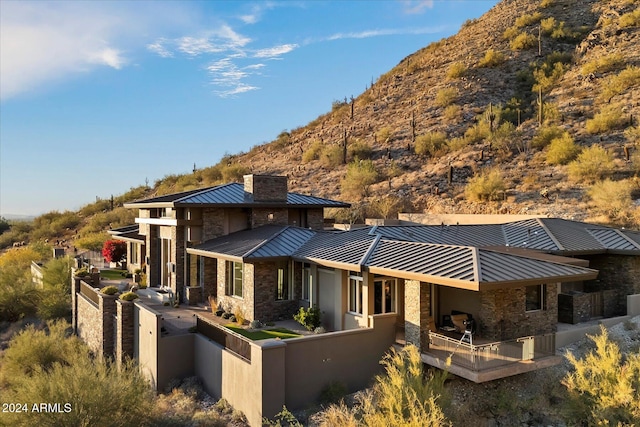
(107,310)
(124,333)
(417,303)
(75,288)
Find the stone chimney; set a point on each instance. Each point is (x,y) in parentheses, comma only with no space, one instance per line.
(266,188)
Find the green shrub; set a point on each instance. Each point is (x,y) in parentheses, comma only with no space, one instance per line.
(458,143)
(384,134)
(562,150)
(631,19)
(523,41)
(604,64)
(526,20)
(456,70)
(487,185)
(92,241)
(591,164)
(452,113)
(612,198)
(608,119)
(234,172)
(109,290)
(547,76)
(332,156)
(312,152)
(446,96)
(604,386)
(492,58)
(546,134)
(431,143)
(129,296)
(310,317)
(632,134)
(617,84)
(511,33)
(360,176)
(546,3)
(478,132)
(547,25)
(360,150)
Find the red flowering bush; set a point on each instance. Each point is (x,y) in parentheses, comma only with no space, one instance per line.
(114,250)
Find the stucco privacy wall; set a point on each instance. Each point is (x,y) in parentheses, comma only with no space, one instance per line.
(145,341)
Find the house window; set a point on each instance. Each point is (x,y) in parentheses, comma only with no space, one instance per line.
(535,297)
(234,278)
(283,288)
(133,250)
(384,292)
(195,270)
(355,294)
(307,282)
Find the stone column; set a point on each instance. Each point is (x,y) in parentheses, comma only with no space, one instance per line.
(417,302)
(124,337)
(107,310)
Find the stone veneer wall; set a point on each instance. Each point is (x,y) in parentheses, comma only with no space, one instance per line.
(503,315)
(315,219)
(266,188)
(95,325)
(260,216)
(124,331)
(231,303)
(212,223)
(417,303)
(264,284)
(618,273)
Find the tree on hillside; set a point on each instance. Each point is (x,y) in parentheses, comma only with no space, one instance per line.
(114,250)
(19,297)
(56,292)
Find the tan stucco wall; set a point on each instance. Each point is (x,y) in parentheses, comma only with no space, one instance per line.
(146,336)
(176,358)
(633,305)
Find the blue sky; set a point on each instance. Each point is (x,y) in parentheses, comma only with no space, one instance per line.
(99,97)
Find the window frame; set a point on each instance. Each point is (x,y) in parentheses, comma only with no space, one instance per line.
(284,282)
(354,295)
(541,298)
(234,277)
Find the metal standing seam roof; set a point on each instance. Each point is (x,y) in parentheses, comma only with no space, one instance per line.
(129,233)
(346,248)
(231,194)
(613,239)
(464,235)
(529,234)
(268,241)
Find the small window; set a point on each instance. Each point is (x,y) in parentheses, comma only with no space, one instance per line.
(307,282)
(535,297)
(234,278)
(283,290)
(355,294)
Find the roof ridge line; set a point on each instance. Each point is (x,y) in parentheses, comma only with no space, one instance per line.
(477,270)
(369,252)
(550,234)
(617,231)
(204,190)
(255,248)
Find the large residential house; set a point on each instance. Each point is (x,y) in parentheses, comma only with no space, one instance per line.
(491,296)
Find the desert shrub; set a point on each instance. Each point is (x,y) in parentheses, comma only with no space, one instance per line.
(562,150)
(360,176)
(612,198)
(603,64)
(109,290)
(547,25)
(591,164)
(360,150)
(547,76)
(477,132)
(631,19)
(632,134)
(310,317)
(446,96)
(456,70)
(129,296)
(92,241)
(510,33)
(18,295)
(546,3)
(458,143)
(452,113)
(545,135)
(239,315)
(331,156)
(385,207)
(431,143)
(617,84)
(384,134)
(505,138)
(492,58)
(312,152)
(523,41)
(234,172)
(604,386)
(526,20)
(55,296)
(609,118)
(400,397)
(486,185)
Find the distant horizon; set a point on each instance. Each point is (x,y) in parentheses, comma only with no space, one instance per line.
(111,95)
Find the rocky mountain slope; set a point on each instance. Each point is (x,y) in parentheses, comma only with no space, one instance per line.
(466,87)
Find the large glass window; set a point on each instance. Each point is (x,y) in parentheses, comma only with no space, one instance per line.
(233,277)
(195,270)
(384,293)
(283,291)
(355,294)
(535,297)
(133,250)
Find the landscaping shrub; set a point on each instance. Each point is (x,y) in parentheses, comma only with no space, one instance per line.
(452,113)
(109,290)
(546,134)
(526,20)
(129,296)
(562,150)
(609,118)
(591,164)
(523,41)
(384,134)
(239,315)
(114,250)
(312,152)
(612,198)
(331,156)
(604,387)
(310,317)
(360,150)
(333,392)
(492,58)
(487,185)
(255,324)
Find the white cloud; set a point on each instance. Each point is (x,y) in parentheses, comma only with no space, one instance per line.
(227,75)
(108,56)
(159,48)
(384,32)
(416,6)
(275,51)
